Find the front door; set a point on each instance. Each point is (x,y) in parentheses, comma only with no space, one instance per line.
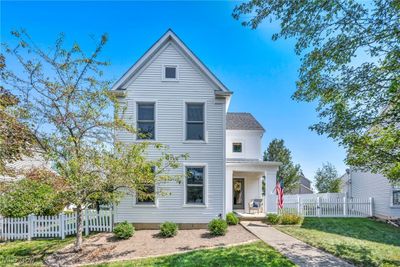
(238,193)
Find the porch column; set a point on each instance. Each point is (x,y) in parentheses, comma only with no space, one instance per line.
(270,194)
(228,190)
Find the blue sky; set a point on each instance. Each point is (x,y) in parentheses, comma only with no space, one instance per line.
(260,72)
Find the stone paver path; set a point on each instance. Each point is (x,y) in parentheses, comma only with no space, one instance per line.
(297,251)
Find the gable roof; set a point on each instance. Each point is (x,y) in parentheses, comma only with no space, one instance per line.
(169,36)
(242,121)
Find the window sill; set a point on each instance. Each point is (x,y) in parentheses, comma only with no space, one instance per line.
(194,206)
(195,142)
(145,205)
(170,80)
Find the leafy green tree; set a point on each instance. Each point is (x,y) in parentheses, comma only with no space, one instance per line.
(350,65)
(69,112)
(288,171)
(38,193)
(15,137)
(326,179)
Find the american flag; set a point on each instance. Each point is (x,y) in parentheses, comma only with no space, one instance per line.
(279,191)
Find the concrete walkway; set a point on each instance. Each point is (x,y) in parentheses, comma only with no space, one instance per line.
(297,251)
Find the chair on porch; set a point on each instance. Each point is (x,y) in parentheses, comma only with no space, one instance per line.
(256,204)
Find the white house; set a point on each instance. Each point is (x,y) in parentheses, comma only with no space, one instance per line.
(174,98)
(359,184)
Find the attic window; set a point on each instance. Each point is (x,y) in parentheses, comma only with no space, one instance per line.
(170,72)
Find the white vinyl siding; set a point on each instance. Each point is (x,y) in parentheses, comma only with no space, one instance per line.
(170,99)
(366,184)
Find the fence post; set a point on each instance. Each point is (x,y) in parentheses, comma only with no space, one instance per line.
(371,211)
(30,226)
(86,222)
(318,207)
(62,225)
(344,207)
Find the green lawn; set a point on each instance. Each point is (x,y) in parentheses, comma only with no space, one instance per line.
(254,254)
(362,241)
(28,253)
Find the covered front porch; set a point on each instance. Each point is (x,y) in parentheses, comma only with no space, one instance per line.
(245,190)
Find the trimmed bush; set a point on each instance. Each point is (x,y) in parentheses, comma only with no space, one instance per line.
(218,227)
(273,218)
(124,230)
(168,229)
(291,219)
(232,219)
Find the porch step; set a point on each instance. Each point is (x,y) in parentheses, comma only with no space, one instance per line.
(250,216)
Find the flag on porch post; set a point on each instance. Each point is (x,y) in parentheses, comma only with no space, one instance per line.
(279,191)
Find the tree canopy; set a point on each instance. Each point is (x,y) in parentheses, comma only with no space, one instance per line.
(350,55)
(326,179)
(73,118)
(288,171)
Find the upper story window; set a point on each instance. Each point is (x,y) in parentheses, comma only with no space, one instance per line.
(194,121)
(170,72)
(146,121)
(194,185)
(237,147)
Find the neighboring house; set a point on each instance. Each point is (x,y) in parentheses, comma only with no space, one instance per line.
(24,165)
(386,197)
(304,186)
(174,98)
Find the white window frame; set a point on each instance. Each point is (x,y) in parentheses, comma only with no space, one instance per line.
(394,188)
(205,133)
(241,146)
(163,78)
(205,185)
(148,101)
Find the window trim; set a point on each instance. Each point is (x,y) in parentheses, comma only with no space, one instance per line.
(241,147)
(154,120)
(164,66)
(394,189)
(205,185)
(185,121)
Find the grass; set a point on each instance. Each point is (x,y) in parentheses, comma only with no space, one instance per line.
(29,253)
(361,241)
(254,254)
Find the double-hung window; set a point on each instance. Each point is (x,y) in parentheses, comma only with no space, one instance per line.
(146,121)
(396,196)
(146,193)
(195,185)
(194,121)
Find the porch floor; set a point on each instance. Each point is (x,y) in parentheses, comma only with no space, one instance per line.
(245,216)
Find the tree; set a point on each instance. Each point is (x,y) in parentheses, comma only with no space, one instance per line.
(38,193)
(351,66)
(73,116)
(326,179)
(289,172)
(15,138)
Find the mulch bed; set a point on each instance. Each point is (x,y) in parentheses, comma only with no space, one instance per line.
(105,247)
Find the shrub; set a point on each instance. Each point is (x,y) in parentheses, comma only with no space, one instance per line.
(30,196)
(168,229)
(232,219)
(218,227)
(273,218)
(124,230)
(291,219)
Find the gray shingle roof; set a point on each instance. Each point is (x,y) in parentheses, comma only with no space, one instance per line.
(242,121)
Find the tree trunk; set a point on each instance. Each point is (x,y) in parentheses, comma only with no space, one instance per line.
(79,228)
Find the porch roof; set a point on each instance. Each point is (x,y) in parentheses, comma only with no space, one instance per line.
(252,165)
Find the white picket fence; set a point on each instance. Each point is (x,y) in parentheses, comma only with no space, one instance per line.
(54,226)
(327,207)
